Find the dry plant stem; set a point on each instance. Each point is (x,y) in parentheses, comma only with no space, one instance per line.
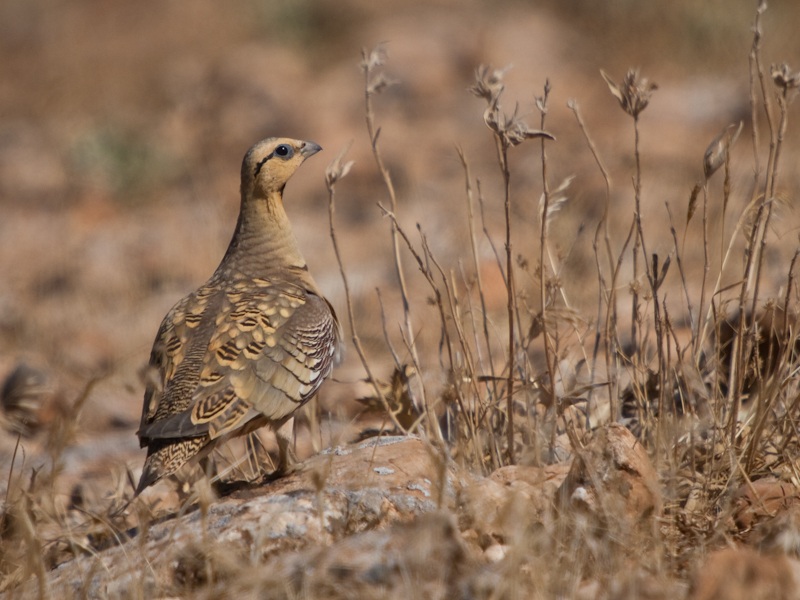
(789,431)
(698,338)
(385,328)
(711,315)
(502,155)
(776,138)
(348,300)
(398,363)
(782,127)
(609,337)
(546,334)
(769,193)
(768,395)
(654,277)
(652,274)
(637,242)
(491,385)
(753,73)
(791,427)
(789,286)
(726,196)
(758,233)
(662,363)
(455,311)
(490,405)
(763,87)
(738,351)
(374,133)
(35,555)
(477,265)
(452,303)
(744,337)
(764,400)
(757,82)
(498,258)
(634,292)
(10,474)
(507,132)
(682,272)
(466,349)
(638,246)
(426,271)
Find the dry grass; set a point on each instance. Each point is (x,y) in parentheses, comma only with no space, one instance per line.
(501,357)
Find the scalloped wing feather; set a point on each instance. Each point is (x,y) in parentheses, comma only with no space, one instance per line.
(259,349)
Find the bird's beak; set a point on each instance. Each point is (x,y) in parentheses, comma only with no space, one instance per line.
(309,149)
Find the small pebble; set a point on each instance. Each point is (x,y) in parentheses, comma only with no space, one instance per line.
(495,553)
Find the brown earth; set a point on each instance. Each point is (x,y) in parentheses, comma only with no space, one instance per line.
(122,127)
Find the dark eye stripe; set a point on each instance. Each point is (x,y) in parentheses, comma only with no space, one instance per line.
(282,150)
(261,164)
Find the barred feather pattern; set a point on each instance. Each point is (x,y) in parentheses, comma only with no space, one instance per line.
(246,349)
(259,349)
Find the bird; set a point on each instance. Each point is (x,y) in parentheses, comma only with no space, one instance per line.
(252,344)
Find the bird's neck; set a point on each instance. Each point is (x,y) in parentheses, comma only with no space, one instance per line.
(263,244)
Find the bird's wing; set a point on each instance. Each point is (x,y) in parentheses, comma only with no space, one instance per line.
(271,344)
(298,356)
(176,358)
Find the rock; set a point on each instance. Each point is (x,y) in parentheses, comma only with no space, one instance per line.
(502,506)
(781,534)
(488,511)
(547,478)
(421,559)
(612,479)
(536,486)
(638,583)
(343,491)
(762,499)
(744,574)
(495,553)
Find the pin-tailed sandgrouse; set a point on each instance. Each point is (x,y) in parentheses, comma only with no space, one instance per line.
(252,344)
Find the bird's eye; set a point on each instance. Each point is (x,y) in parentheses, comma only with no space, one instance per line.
(284,151)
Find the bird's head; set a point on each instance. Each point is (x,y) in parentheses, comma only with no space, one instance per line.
(270,163)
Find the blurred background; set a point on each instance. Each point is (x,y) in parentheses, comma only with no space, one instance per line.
(122,128)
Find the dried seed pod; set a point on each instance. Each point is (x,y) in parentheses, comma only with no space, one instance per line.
(633,93)
(718,150)
(784,78)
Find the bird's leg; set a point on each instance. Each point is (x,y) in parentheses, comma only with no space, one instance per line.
(207,466)
(287,459)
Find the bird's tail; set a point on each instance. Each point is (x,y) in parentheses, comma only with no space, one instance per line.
(164,457)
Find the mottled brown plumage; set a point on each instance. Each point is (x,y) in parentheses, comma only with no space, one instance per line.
(251,345)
